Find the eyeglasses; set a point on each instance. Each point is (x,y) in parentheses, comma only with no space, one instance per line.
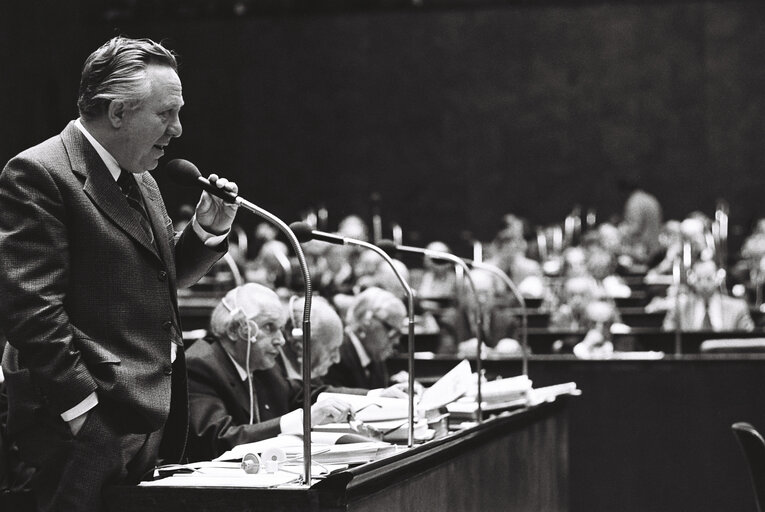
(391,330)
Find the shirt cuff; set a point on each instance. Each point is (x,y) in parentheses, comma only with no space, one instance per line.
(207,238)
(78,410)
(292,422)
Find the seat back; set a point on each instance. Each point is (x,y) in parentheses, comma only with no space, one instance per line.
(753,446)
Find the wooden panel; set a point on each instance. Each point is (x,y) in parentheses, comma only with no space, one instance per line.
(651,435)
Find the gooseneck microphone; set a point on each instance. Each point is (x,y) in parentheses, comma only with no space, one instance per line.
(391,248)
(304,233)
(186,173)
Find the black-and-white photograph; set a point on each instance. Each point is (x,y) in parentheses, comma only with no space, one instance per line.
(382,255)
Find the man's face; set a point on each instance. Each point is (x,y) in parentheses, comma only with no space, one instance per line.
(325,351)
(383,334)
(705,282)
(148,128)
(268,337)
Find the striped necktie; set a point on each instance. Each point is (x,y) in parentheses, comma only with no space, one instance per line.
(127,183)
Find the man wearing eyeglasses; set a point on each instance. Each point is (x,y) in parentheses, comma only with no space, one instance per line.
(373,329)
(237,392)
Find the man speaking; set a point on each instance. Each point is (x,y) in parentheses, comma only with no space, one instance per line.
(94,364)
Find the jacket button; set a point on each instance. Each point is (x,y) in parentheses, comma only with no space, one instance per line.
(162,275)
(167,369)
(167,325)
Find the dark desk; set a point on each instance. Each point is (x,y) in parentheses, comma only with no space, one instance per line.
(649,435)
(639,338)
(518,462)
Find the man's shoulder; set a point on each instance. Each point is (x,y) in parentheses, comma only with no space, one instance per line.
(201,350)
(734,302)
(49,152)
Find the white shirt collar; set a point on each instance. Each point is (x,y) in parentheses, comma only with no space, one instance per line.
(109,160)
(364,358)
(293,372)
(241,371)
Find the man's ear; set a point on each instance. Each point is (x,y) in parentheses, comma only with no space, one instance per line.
(115,112)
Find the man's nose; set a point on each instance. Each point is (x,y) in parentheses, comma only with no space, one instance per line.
(174,129)
(278,339)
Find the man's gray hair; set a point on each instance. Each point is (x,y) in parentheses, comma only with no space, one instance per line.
(117,71)
(371,301)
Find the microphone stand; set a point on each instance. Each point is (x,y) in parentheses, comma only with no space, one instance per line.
(410,331)
(336,239)
(479,322)
(247,205)
(519,297)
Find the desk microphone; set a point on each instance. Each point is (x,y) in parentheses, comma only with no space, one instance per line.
(184,172)
(391,248)
(304,233)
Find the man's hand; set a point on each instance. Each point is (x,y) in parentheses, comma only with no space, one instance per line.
(330,410)
(213,214)
(76,424)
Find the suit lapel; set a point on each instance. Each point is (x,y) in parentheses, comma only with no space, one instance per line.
(100,186)
(237,386)
(156,210)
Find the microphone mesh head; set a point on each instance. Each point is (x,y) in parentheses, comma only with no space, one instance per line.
(182,171)
(303,231)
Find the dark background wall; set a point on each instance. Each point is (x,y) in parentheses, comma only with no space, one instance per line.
(454,115)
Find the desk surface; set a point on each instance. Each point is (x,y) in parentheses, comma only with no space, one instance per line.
(453,473)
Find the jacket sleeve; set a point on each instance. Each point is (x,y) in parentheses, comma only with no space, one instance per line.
(34,250)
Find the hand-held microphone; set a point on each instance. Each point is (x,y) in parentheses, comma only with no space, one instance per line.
(184,172)
(304,233)
(391,248)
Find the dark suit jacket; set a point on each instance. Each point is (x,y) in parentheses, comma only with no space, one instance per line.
(733,312)
(89,303)
(350,374)
(219,401)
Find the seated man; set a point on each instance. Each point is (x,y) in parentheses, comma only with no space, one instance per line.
(705,308)
(373,328)
(237,394)
(326,338)
(571,315)
(597,342)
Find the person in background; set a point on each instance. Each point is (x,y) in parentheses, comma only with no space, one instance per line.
(237,392)
(373,329)
(94,364)
(326,338)
(641,222)
(571,314)
(705,307)
(597,342)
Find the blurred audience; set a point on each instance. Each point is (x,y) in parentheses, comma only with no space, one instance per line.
(705,307)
